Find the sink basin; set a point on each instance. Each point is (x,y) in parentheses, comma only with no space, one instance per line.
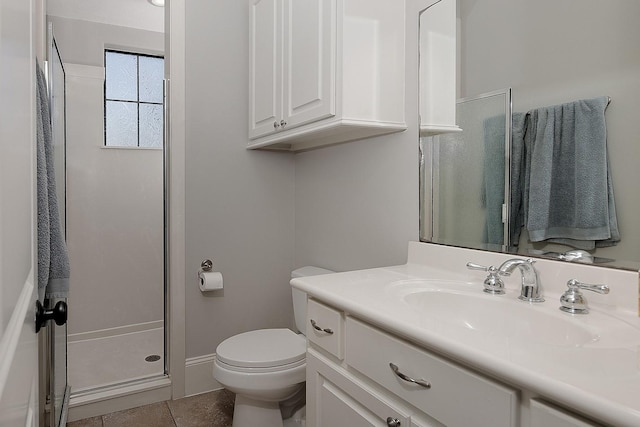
(500,317)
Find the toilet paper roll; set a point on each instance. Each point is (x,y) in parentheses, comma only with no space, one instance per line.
(210,281)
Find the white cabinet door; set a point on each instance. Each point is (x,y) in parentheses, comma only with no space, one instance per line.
(18,342)
(309,61)
(545,415)
(333,399)
(265,81)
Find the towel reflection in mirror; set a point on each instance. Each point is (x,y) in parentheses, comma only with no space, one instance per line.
(549,176)
(567,196)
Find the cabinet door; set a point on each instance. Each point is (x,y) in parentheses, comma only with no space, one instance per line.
(265,68)
(309,73)
(333,399)
(545,415)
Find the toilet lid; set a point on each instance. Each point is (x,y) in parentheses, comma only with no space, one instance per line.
(263,348)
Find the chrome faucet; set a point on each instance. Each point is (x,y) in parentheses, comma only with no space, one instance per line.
(531,289)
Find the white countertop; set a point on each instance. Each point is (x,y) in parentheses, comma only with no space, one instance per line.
(599,378)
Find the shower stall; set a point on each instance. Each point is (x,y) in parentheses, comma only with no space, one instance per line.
(114,216)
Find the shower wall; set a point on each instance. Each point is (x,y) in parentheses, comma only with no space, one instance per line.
(115,196)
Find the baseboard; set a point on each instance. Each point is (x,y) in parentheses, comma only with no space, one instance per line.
(119,398)
(110,332)
(199,375)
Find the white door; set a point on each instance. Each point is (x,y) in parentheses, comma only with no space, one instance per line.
(18,342)
(265,68)
(309,61)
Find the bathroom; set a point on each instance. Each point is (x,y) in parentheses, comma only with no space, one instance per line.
(260,214)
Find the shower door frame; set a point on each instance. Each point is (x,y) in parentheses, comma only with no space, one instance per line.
(57,389)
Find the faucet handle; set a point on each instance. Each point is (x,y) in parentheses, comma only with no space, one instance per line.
(572,301)
(574,284)
(474,266)
(492,284)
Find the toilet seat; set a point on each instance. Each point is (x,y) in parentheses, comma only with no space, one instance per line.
(263,349)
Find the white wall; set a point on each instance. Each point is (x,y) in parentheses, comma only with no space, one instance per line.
(83,42)
(349,206)
(138,14)
(552,52)
(239,203)
(356,204)
(114,199)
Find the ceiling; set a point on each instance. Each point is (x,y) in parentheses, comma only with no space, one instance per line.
(127,13)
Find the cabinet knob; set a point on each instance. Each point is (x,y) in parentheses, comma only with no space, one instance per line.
(276,125)
(393,422)
(283,123)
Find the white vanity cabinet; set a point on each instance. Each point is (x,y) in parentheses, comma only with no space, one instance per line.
(325,71)
(350,383)
(360,389)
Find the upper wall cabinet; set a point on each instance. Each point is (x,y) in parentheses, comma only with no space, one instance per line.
(438,69)
(325,71)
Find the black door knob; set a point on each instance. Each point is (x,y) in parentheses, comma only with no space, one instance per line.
(58,314)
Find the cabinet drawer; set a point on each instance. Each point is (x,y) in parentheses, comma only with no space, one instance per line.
(339,400)
(325,328)
(456,396)
(545,415)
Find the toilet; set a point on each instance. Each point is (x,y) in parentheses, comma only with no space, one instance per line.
(266,368)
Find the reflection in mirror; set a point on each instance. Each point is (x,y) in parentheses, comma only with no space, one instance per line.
(469,207)
(583,53)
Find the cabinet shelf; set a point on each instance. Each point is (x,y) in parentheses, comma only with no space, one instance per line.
(326,133)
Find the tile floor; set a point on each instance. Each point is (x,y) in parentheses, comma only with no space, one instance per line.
(213,409)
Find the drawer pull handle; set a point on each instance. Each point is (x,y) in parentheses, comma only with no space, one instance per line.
(406,378)
(318,328)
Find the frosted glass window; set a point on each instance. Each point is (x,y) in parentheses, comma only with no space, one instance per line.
(150,125)
(121,124)
(133,100)
(121,76)
(151,75)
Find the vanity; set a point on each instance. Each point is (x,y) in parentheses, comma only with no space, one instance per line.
(421,344)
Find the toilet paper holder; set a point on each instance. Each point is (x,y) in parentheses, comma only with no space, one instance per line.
(207,279)
(206,265)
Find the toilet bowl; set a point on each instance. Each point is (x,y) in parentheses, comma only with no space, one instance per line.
(266,368)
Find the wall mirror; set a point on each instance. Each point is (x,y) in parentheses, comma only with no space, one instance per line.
(548,52)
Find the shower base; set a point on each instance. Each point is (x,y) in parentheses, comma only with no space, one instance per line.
(100,362)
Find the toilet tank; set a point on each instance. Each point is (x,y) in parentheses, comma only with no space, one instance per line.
(300,298)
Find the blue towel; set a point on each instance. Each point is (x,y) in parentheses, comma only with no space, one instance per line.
(568,194)
(53,260)
(516,208)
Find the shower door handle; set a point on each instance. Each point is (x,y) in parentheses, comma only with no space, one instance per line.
(58,314)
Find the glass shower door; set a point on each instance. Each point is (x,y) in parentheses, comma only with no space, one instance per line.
(59,390)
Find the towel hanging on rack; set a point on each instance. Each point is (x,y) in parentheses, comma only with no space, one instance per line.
(568,195)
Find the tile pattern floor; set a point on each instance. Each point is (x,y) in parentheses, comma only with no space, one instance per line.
(213,409)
